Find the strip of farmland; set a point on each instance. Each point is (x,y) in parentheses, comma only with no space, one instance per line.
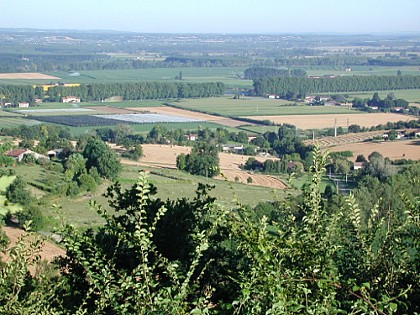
(108,120)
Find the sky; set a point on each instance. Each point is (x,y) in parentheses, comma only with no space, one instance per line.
(215,16)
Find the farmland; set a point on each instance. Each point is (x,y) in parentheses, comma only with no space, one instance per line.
(329,120)
(394,150)
(27,76)
(256,106)
(164,156)
(167,110)
(228,75)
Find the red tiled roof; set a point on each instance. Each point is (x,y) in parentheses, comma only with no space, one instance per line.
(15,152)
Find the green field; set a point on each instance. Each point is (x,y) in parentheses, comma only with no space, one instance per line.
(5,181)
(412,96)
(362,70)
(16,121)
(145,128)
(227,106)
(171,184)
(228,75)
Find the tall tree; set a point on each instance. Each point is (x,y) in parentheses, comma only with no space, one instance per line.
(203,160)
(99,155)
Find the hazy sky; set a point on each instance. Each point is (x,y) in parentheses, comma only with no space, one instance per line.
(215,16)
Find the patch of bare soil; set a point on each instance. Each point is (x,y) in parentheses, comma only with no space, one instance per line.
(48,252)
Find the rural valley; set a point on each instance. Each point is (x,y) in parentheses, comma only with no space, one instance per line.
(163,173)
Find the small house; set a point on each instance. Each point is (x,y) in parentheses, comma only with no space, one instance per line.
(357,165)
(233,148)
(70,99)
(191,137)
(18,154)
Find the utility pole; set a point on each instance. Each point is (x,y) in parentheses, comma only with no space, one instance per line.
(335,128)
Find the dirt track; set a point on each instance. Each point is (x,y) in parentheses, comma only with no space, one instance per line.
(165,156)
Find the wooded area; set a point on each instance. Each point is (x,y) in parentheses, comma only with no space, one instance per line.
(100,92)
(289,86)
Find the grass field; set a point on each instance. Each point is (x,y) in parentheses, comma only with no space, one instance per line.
(171,184)
(256,106)
(5,181)
(362,70)
(16,121)
(145,128)
(228,75)
(412,95)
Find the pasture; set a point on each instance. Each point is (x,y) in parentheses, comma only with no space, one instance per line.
(5,207)
(170,182)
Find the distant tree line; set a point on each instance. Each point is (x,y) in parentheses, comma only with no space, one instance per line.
(50,60)
(97,92)
(37,62)
(336,61)
(262,72)
(287,86)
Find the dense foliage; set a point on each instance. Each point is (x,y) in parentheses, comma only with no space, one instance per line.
(300,256)
(98,92)
(287,86)
(203,160)
(98,155)
(261,72)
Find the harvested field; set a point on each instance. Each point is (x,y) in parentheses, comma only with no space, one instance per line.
(345,139)
(401,149)
(27,76)
(165,156)
(341,120)
(166,110)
